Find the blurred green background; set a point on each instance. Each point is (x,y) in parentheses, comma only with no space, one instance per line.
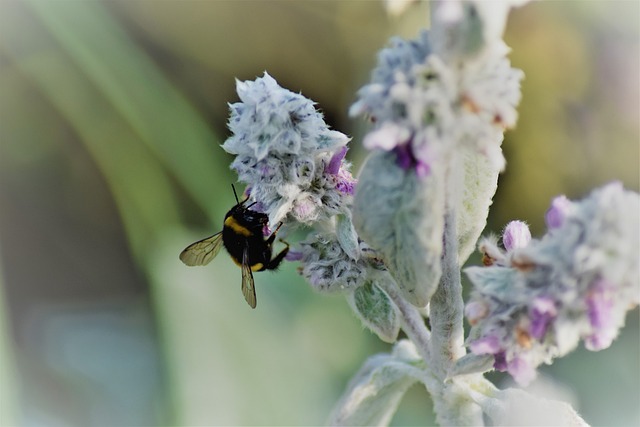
(111,116)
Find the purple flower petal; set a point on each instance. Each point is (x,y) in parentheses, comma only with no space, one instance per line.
(346,183)
(599,311)
(600,340)
(542,312)
(294,255)
(521,371)
(405,157)
(336,160)
(485,345)
(423,169)
(599,305)
(500,361)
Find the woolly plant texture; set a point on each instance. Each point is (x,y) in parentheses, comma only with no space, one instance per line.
(393,242)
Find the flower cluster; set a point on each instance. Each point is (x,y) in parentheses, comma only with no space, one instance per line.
(536,299)
(327,267)
(291,161)
(425,106)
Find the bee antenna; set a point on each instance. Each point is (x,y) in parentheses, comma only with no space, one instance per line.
(235,194)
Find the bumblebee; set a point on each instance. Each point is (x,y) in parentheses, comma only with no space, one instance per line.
(243,237)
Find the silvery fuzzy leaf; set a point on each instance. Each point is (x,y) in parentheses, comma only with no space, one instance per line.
(516,407)
(331,140)
(494,280)
(480,182)
(465,29)
(373,394)
(472,364)
(402,216)
(457,30)
(376,310)
(347,236)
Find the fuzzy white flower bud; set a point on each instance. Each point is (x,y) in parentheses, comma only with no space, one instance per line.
(516,235)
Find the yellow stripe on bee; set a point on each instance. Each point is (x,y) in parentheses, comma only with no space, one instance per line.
(255,267)
(233,224)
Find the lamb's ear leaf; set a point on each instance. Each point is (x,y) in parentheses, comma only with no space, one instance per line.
(472,364)
(376,310)
(373,394)
(347,236)
(517,407)
(480,182)
(401,215)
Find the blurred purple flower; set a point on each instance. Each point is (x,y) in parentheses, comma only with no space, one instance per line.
(521,371)
(578,281)
(600,304)
(542,312)
(559,210)
(489,344)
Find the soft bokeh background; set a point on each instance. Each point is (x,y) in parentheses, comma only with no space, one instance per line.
(111,116)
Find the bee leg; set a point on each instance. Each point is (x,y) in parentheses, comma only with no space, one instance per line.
(272,237)
(275,262)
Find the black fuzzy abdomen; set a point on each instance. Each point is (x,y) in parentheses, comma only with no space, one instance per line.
(238,235)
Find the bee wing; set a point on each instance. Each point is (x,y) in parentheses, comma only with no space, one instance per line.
(202,251)
(248,286)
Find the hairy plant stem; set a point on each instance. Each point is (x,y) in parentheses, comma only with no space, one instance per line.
(446,315)
(447,306)
(412,323)
(443,345)
(414,326)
